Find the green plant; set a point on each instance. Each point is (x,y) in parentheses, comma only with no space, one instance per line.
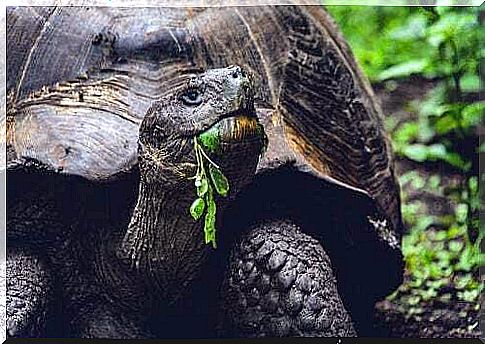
(441,45)
(446,121)
(395,42)
(371,33)
(204,185)
(209,177)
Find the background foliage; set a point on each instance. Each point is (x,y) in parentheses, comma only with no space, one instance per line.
(435,141)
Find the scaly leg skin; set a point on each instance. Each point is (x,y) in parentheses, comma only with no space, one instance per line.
(29,294)
(280,283)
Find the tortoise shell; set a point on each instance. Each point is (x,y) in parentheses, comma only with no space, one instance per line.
(80,79)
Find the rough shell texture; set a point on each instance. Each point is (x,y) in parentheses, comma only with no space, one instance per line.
(81,79)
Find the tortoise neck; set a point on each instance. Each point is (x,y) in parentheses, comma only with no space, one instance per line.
(163,240)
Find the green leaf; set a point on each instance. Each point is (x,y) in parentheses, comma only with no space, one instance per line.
(473,185)
(413,29)
(203,187)
(455,245)
(210,225)
(211,205)
(209,139)
(210,219)
(456,160)
(420,152)
(404,69)
(417,152)
(220,181)
(406,133)
(445,124)
(470,83)
(473,114)
(197,208)
(437,151)
(461,212)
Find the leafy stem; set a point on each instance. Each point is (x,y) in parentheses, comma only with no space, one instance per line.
(205,185)
(205,155)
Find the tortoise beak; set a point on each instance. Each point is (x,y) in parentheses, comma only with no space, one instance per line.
(239,128)
(240,123)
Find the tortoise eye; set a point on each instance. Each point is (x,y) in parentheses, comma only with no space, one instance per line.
(192,97)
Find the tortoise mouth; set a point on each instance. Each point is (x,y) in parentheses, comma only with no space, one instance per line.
(234,118)
(236,126)
(240,135)
(241,129)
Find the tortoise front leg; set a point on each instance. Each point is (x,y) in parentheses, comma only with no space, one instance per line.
(29,294)
(280,283)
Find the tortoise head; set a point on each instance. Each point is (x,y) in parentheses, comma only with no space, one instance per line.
(205,117)
(203,121)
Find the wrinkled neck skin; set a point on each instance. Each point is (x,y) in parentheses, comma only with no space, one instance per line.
(163,243)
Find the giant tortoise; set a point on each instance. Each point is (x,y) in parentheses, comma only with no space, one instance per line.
(111,114)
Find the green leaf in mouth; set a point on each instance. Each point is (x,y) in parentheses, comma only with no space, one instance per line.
(220,181)
(210,139)
(205,185)
(205,201)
